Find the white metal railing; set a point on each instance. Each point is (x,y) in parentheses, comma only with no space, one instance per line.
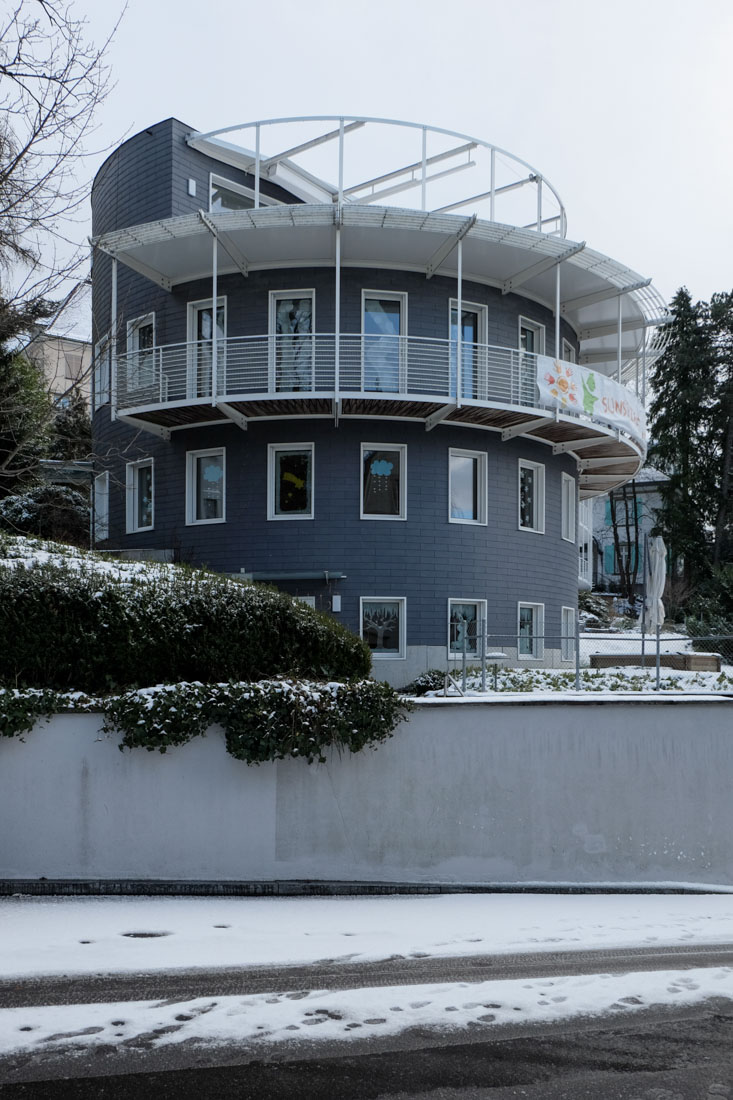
(326,365)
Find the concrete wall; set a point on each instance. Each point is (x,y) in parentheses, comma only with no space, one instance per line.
(496,793)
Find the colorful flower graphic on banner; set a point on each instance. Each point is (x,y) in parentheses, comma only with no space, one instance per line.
(573,388)
(561,381)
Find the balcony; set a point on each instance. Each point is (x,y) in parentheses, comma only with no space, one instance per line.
(246,378)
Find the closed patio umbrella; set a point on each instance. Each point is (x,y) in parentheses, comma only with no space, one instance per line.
(656,575)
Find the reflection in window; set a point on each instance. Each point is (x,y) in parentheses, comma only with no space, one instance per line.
(464,627)
(382,329)
(531,629)
(470,339)
(531,496)
(292,482)
(206,486)
(381,626)
(382,488)
(226,198)
(140,495)
(294,343)
(467,481)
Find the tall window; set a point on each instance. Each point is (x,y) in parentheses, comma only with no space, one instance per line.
(568,507)
(585,541)
(473,354)
(531,337)
(205,486)
(530,630)
(384,322)
(383,625)
(466,622)
(531,496)
(201,340)
(101,506)
(383,481)
(140,344)
(568,351)
(139,494)
(102,371)
(467,486)
(292,319)
(290,481)
(567,644)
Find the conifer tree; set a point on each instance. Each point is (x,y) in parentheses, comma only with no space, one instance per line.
(683,429)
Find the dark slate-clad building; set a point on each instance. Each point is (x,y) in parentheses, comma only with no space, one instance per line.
(398,413)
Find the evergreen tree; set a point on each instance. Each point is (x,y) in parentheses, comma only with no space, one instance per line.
(721,318)
(684,438)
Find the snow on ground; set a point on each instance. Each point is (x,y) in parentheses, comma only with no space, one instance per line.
(53,936)
(353,1013)
(66,935)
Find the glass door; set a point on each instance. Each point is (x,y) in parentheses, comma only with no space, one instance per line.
(200,336)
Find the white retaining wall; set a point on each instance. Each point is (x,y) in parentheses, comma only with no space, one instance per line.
(554,792)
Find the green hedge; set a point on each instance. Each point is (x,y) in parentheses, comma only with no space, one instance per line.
(79,628)
(264,721)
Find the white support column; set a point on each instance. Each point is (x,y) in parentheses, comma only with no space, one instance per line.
(459,318)
(113,343)
(337,317)
(620,335)
(492,201)
(643,372)
(257,166)
(539,204)
(341,165)
(424,185)
(557,311)
(214,334)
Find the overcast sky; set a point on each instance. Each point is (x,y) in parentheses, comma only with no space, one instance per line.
(624,106)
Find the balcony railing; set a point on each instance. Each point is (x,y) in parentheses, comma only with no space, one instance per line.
(256,368)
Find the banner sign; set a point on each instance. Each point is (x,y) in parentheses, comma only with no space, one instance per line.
(573,388)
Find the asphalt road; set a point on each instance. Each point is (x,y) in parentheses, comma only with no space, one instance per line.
(659,1055)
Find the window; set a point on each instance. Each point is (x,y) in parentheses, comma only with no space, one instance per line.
(139,495)
(531,496)
(568,351)
(383,493)
(567,642)
(585,541)
(467,486)
(630,557)
(200,338)
(225,194)
(101,506)
(466,624)
(102,371)
(568,507)
(292,320)
(530,630)
(383,625)
(384,322)
(290,481)
(205,486)
(531,336)
(140,344)
(473,349)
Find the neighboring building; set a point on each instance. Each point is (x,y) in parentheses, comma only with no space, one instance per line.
(389,412)
(66,363)
(635,509)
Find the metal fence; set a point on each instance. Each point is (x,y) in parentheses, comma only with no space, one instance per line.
(477,660)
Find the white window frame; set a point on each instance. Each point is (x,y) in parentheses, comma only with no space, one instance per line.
(567,633)
(402,601)
(481,606)
(538,632)
(274,295)
(192,309)
(137,367)
(239,189)
(402,448)
(481,363)
(481,488)
(192,458)
(568,351)
(102,374)
(538,506)
(568,509)
(387,296)
(272,451)
(539,331)
(131,495)
(101,506)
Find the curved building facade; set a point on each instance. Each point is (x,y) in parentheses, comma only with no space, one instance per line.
(391,412)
